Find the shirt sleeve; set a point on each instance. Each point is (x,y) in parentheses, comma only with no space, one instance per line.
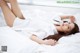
(57,20)
(39,33)
(45,31)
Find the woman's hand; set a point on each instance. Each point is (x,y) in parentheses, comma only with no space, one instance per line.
(40,41)
(72,18)
(50,42)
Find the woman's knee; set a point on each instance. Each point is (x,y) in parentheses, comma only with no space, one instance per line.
(12,1)
(2,3)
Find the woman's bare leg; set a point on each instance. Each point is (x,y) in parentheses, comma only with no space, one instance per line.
(15,8)
(8,15)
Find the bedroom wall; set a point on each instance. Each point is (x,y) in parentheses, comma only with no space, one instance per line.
(43,8)
(70,3)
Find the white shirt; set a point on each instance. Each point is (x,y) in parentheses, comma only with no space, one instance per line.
(38,27)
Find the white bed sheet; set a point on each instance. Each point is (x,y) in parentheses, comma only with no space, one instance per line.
(70,44)
(14,41)
(18,43)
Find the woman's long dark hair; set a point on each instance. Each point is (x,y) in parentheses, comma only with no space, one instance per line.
(61,34)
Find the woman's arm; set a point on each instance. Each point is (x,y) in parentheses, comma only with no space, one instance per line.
(72,18)
(36,39)
(40,41)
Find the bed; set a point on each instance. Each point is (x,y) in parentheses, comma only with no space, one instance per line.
(19,43)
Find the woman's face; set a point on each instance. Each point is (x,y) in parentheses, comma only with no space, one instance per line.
(66,27)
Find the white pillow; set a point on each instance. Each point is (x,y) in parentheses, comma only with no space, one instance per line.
(75,38)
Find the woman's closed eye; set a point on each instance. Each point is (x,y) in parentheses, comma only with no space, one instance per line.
(65,21)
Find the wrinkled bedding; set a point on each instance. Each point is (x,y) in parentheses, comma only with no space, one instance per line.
(17,43)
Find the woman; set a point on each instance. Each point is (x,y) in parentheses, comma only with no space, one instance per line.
(47,28)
